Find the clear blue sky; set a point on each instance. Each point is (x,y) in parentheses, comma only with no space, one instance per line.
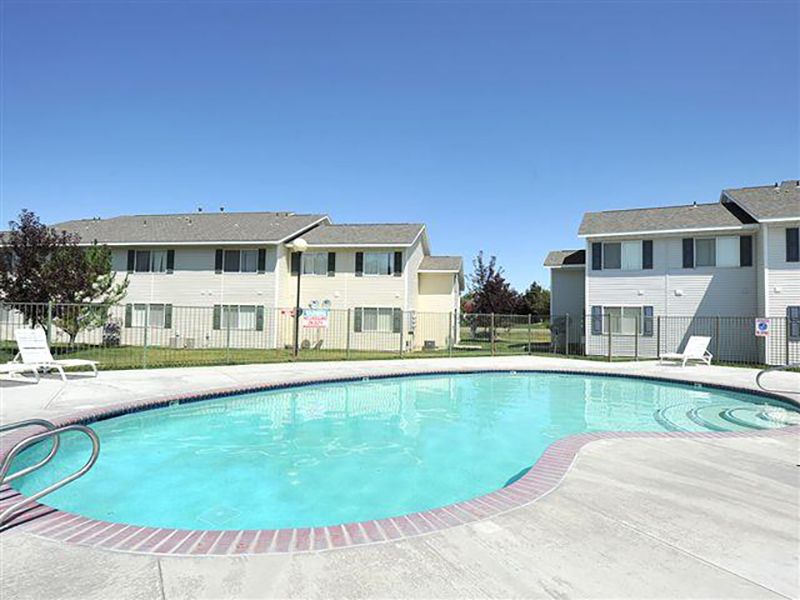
(496,123)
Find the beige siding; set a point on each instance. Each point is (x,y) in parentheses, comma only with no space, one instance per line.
(437,309)
(567,292)
(782,282)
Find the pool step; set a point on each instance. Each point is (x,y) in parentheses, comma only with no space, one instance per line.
(719,417)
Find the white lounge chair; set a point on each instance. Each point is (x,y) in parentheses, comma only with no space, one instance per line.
(17,368)
(696,350)
(34,352)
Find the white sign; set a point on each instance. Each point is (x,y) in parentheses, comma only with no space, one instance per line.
(315,318)
(762,327)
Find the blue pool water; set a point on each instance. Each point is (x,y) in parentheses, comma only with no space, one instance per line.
(342,452)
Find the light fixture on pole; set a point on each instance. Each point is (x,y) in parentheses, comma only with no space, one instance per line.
(298,246)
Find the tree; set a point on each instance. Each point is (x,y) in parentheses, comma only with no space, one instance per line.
(39,264)
(535,300)
(491,293)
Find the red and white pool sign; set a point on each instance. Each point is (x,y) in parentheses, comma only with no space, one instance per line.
(762,327)
(317,318)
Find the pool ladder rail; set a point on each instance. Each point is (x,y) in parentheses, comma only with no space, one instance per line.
(763,372)
(54,432)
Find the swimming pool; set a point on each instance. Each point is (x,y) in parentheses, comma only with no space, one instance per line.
(355,451)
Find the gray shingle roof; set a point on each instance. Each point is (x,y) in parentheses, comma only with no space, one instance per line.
(364,234)
(697,216)
(441,263)
(769,201)
(188,228)
(565,258)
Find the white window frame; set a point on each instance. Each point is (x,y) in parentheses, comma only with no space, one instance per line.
(236,309)
(142,313)
(315,260)
(696,254)
(622,308)
(151,260)
(390,264)
(378,311)
(603,258)
(625,249)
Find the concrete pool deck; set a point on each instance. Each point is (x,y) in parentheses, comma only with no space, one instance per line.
(632,518)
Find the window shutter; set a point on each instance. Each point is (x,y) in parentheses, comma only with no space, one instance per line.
(688,253)
(217,317)
(397,320)
(357,313)
(359,264)
(128,315)
(259,318)
(168,316)
(647,254)
(331,264)
(597,320)
(792,244)
(793,318)
(295,260)
(170,261)
(262,260)
(746,251)
(398,264)
(597,256)
(218,261)
(131,260)
(647,321)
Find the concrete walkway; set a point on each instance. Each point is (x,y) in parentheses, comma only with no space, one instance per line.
(658,518)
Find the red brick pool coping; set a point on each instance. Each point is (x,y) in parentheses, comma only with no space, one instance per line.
(544,477)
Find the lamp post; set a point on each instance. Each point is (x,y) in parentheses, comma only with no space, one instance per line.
(299,245)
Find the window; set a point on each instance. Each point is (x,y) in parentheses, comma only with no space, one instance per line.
(142,261)
(386,320)
(239,261)
(622,320)
(249,261)
(793,244)
(612,256)
(728,251)
(793,322)
(705,252)
(239,317)
(631,256)
(315,263)
(232,261)
(378,263)
(157,316)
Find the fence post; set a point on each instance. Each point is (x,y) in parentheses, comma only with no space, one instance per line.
(530,341)
(658,336)
(566,334)
(49,322)
(491,331)
(785,341)
(636,339)
(402,328)
(716,338)
(347,343)
(146,335)
(451,335)
(227,338)
(609,337)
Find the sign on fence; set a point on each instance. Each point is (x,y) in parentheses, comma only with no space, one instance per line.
(762,327)
(316,318)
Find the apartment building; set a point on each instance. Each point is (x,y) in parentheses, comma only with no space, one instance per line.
(194,278)
(733,259)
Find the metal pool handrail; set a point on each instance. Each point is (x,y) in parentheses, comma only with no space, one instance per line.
(34,439)
(772,369)
(19,425)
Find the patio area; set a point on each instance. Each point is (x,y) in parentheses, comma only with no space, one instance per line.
(637,518)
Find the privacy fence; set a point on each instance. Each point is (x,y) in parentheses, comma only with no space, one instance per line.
(163,335)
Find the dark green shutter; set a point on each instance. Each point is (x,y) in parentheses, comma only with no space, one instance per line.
(331,264)
(597,256)
(597,320)
(295,260)
(398,264)
(217,317)
(688,253)
(647,254)
(218,261)
(262,260)
(259,318)
(170,261)
(359,264)
(357,314)
(131,260)
(792,244)
(168,316)
(397,320)
(128,315)
(793,322)
(647,322)
(746,251)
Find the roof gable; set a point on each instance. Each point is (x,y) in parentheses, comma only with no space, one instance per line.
(365,234)
(768,202)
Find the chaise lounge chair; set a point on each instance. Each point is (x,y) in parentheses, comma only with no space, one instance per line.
(696,349)
(34,352)
(17,368)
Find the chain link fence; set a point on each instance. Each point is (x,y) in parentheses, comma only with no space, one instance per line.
(162,335)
